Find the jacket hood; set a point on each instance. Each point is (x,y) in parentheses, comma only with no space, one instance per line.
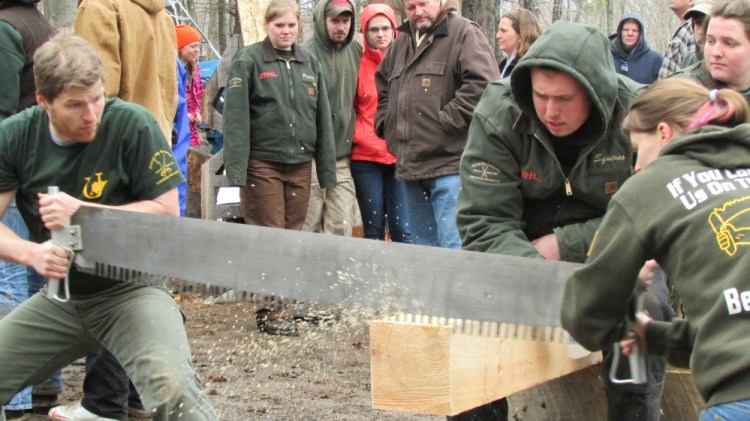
(13,2)
(640,48)
(714,146)
(319,24)
(151,6)
(581,51)
(369,12)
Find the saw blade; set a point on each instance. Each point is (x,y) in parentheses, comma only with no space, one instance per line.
(324,268)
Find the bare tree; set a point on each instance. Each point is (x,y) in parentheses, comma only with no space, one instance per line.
(60,12)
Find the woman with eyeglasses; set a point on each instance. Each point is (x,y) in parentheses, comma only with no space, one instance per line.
(631,53)
(517,30)
(379,195)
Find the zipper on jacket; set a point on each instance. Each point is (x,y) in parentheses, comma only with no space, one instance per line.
(568,185)
(291,98)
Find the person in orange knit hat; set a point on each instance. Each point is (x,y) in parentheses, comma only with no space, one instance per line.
(188,49)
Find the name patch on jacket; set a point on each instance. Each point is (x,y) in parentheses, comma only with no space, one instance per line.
(264,75)
(309,78)
(602,159)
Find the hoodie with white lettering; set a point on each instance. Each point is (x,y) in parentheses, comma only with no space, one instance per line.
(689,210)
(518,182)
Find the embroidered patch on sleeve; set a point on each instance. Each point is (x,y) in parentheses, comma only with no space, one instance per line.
(485,172)
(163,165)
(234,82)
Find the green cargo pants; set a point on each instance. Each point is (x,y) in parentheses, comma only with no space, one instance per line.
(140,325)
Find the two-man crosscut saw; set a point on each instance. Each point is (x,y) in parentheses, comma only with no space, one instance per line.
(322,268)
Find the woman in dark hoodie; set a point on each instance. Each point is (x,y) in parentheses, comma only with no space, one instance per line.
(630,51)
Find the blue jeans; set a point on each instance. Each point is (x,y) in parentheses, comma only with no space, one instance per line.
(107,389)
(431,204)
(738,410)
(381,200)
(18,283)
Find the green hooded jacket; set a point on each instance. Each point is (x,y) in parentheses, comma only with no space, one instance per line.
(340,67)
(22,30)
(513,187)
(698,72)
(689,210)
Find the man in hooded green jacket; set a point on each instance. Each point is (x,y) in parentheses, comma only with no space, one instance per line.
(330,210)
(545,155)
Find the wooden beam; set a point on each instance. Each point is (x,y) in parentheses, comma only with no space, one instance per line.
(438,369)
(432,369)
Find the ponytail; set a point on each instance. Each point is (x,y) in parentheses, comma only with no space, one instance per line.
(721,108)
(687,105)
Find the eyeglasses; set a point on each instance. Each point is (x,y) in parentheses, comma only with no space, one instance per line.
(374,30)
(623,65)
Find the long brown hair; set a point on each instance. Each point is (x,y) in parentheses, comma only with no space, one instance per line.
(526,26)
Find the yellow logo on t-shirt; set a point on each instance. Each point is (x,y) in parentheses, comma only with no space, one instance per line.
(94,189)
(163,165)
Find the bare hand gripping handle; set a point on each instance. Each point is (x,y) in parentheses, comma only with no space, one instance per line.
(53,285)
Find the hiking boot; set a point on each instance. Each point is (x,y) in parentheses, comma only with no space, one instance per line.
(275,322)
(75,412)
(15,415)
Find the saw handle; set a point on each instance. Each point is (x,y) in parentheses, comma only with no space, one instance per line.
(53,285)
(636,360)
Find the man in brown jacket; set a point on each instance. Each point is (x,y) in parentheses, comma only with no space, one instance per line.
(137,43)
(428,85)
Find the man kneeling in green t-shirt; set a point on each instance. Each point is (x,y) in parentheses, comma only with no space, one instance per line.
(100,153)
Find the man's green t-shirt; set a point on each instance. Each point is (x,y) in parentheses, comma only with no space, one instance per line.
(127,161)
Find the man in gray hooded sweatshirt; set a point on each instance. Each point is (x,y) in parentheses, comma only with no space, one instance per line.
(330,210)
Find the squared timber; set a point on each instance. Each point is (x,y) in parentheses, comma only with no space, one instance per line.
(448,369)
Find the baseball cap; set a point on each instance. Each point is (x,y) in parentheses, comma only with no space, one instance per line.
(337,7)
(699,7)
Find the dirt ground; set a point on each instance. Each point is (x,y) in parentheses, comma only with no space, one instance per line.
(321,374)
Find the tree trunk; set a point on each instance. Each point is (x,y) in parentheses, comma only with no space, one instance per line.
(60,12)
(483,13)
(556,10)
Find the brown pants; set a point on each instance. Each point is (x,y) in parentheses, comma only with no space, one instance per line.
(276,194)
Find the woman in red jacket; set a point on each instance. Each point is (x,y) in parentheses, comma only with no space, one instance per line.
(379,195)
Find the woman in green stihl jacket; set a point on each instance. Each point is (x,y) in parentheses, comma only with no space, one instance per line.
(687,208)
(276,121)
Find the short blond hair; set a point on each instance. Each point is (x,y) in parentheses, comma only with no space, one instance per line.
(66,61)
